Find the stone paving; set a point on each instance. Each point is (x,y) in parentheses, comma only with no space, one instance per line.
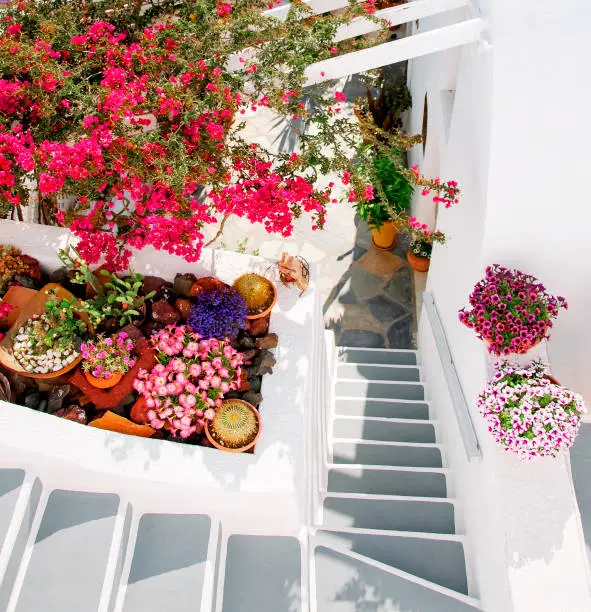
(367,294)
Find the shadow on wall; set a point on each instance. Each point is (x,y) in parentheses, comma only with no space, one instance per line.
(372,304)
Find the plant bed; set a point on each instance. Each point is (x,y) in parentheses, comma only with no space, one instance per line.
(163,376)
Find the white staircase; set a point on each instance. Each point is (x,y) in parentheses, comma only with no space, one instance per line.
(388,534)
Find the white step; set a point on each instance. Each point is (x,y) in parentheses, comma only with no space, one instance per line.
(386,480)
(348,582)
(170,559)
(262,574)
(379,389)
(384,408)
(367,452)
(384,429)
(382,356)
(434,557)
(389,512)
(375,371)
(69,560)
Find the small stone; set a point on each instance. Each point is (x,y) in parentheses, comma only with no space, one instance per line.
(232,395)
(264,359)
(184,307)
(262,370)
(243,385)
(247,343)
(255,383)
(258,327)
(209,283)
(42,406)
(139,412)
(195,290)
(27,281)
(32,399)
(164,313)
(155,283)
(269,341)
(249,355)
(134,333)
(183,284)
(56,397)
(169,294)
(252,398)
(72,413)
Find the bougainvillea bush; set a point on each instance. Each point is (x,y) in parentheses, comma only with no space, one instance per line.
(190,380)
(510,310)
(528,414)
(125,117)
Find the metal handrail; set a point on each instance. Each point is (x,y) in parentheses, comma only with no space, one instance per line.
(461,408)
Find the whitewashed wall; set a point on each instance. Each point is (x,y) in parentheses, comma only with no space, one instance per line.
(509,114)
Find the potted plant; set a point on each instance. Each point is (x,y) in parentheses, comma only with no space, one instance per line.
(421,244)
(259,293)
(14,264)
(235,427)
(510,310)
(106,359)
(382,209)
(116,302)
(45,339)
(218,313)
(527,413)
(187,385)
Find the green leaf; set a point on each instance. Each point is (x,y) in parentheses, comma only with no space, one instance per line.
(105,273)
(111,298)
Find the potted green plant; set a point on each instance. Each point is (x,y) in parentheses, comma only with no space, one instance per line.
(106,359)
(421,244)
(382,210)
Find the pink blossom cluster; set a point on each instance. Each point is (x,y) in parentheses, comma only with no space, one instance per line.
(529,415)
(511,310)
(190,380)
(104,357)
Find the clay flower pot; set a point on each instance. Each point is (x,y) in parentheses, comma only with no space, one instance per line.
(418,264)
(235,428)
(386,237)
(36,305)
(259,293)
(103,383)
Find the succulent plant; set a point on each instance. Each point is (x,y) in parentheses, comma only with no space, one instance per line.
(234,425)
(258,292)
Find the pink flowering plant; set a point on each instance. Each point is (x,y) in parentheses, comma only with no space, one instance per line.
(106,356)
(133,109)
(528,414)
(422,238)
(189,381)
(511,310)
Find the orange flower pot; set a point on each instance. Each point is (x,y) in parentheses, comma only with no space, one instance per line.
(418,264)
(386,237)
(103,383)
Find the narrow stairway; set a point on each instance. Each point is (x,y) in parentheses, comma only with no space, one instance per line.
(388,534)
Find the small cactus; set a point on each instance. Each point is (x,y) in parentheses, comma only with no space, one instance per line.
(257,291)
(234,425)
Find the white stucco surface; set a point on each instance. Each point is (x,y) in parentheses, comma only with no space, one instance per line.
(268,486)
(516,145)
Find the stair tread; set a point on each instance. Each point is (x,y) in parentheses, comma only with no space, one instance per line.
(386,356)
(378,371)
(395,513)
(172,572)
(344,578)
(262,573)
(73,524)
(381,407)
(384,430)
(365,452)
(439,560)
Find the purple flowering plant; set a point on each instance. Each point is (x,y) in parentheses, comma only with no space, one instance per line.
(218,313)
(106,356)
(527,413)
(510,310)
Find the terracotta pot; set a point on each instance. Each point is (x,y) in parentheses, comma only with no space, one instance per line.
(36,306)
(103,383)
(385,238)
(242,449)
(418,264)
(268,310)
(552,379)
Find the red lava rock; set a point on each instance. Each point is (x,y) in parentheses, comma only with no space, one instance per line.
(258,327)
(248,355)
(269,341)
(165,313)
(155,283)
(34,270)
(183,306)
(208,283)
(195,290)
(72,413)
(244,384)
(139,412)
(134,332)
(108,399)
(183,283)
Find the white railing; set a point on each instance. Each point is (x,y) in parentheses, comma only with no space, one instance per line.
(461,408)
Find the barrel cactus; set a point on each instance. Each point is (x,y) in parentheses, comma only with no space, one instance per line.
(257,291)
(235,425)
